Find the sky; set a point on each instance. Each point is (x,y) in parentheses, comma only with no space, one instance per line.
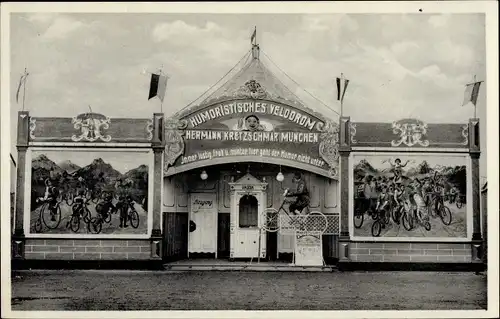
(120,161)
(399,65)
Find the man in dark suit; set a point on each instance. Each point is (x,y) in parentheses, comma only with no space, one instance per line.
(302,194)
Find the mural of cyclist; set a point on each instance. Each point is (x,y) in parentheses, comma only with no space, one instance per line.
(301,192)
(50,197)
(124,200)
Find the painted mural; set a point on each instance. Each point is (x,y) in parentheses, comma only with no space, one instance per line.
(409,196)
(89,192)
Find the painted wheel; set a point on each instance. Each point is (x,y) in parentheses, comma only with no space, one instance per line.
(316,221)
(359,218)
(134,218)
(407,221)
(384,217)
(74,223)
(375,215)
(271,220)
(38,225)
(87,216)
(427,226)
(445,215)
(459,203)
(51,219)
(108,218)
(376,228)
(94,225)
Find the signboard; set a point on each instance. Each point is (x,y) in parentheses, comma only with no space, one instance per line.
(308,248)
(254,130)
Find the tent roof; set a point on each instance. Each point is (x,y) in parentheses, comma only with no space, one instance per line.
(255,81)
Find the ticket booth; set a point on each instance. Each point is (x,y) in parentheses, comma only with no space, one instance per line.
(248,202)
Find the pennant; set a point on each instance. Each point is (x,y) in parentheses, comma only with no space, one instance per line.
(254,35)
(342,84)
(471,93)
(22,82)
(158,86)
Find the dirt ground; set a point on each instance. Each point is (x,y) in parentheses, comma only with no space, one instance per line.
(136,290)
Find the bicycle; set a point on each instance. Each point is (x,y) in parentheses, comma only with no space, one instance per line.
(52,222)
(83,213)
(412,216)
(94,226)
(443,211)
(297,221)
(382,219)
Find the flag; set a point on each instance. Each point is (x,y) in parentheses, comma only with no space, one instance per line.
(158,86)
(22,82)
(342,84)
(471,93)
(254,35)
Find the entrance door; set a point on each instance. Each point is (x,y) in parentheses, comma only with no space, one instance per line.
(203,223)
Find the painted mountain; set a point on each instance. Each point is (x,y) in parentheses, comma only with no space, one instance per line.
(98,166)
(43,168)
(69,166)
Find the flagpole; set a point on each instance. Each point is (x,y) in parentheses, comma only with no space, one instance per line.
(161,101)
(24,84)
(342,95)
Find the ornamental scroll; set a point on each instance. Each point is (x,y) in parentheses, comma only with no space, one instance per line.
(174,141)
(329,147)
(90,126)
(411,132)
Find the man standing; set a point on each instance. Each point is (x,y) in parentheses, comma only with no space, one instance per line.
(302,194)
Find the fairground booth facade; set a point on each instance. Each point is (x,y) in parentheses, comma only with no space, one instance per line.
(216,181)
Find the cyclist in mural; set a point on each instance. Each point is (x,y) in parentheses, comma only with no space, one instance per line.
(78,202)
(124,200)
(397,166)
(50,197)
(301,192)
(65,182)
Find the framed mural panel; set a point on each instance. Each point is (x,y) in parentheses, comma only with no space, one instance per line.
(410,196)
(88,193)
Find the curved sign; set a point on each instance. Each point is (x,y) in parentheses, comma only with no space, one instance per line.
(252,130)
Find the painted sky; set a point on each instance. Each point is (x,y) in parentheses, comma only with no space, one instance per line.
(399,65)
(122,162)
(379,161)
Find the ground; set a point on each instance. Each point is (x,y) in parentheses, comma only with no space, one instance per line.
(457,227)
(136,290)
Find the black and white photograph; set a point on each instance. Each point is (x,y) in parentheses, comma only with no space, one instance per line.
(184,159)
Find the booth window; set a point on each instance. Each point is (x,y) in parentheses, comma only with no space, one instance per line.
(248,215)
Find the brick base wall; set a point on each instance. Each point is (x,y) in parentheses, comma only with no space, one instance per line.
(410,252)
(92,249)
